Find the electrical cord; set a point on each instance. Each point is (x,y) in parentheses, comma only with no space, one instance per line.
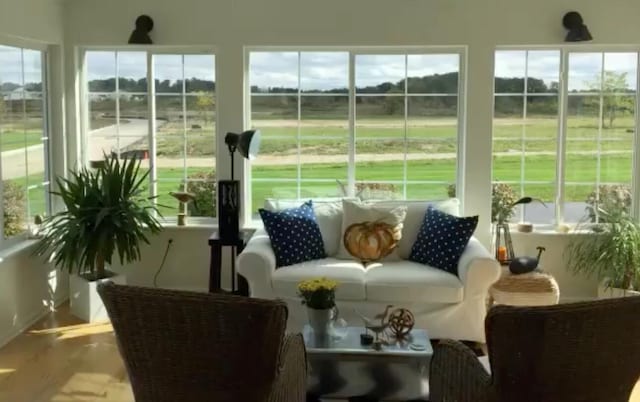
(164,259)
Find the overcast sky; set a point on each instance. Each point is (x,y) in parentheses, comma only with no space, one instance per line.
(329,70)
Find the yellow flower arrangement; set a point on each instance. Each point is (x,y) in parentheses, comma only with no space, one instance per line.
(318,293)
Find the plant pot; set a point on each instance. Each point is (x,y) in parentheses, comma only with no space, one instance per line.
(320,323)
(84,299)
(609,292)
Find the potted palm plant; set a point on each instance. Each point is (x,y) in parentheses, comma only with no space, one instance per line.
(105,214)
(610,251)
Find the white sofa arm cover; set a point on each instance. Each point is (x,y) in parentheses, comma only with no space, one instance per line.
(256,263)
(477,269)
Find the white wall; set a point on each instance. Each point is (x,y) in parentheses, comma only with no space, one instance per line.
(28,287)
(232,24)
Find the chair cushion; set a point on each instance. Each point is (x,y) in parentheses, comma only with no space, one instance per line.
(442,239)
(406,281)
(294,234)
(349,274)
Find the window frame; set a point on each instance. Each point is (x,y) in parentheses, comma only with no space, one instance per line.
(47,177)
(353,52)
(150,51)
(563,107)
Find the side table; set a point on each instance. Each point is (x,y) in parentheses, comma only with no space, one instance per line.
(536,288)
(215,264)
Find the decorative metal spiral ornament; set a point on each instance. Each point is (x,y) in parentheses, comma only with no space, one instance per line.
(400,323)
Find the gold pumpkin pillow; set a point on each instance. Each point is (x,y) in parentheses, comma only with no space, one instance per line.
(370,233)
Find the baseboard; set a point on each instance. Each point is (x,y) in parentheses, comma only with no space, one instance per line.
(34,318)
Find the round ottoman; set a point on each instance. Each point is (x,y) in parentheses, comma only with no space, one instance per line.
(535,288)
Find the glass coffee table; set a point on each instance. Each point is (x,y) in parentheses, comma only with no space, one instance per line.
(344,368)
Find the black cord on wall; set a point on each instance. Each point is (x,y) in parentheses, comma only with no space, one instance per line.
(164,258)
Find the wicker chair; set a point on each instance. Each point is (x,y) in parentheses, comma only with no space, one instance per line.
(197,347)
(587,352)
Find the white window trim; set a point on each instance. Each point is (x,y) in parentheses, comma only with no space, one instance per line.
(354,51)
(150,50)
(563,105)
(8,244)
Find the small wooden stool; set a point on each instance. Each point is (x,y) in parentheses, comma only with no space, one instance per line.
(535,288)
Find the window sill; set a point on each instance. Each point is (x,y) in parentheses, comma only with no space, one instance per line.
(17,248)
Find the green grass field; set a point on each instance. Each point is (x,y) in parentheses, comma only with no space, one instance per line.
(11,140)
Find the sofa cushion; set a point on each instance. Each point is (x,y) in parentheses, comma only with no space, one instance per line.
(442,239)
(357,213)
(294,234)
(406,281)
(349,274)
(415,216)
(328,214)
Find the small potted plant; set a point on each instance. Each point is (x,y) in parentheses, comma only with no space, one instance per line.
(105,214)
(319,295)
(610,251)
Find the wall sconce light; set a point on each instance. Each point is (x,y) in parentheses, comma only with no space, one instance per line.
(577,30)
(140,35)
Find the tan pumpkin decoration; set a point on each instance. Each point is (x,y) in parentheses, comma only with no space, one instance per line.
(371,241)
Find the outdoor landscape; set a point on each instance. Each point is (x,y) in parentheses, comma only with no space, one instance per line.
(405,137)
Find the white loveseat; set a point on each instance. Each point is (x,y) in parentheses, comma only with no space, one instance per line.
(446,305)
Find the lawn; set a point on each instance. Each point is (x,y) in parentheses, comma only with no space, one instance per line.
(11,140)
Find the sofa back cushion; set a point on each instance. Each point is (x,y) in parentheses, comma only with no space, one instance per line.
(328,213)
(416,211)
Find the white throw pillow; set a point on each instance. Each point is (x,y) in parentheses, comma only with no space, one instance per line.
(355,212)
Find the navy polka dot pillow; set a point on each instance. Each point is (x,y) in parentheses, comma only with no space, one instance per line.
(442,239)
(294,233)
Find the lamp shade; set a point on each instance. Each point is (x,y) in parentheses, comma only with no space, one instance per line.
(247,143)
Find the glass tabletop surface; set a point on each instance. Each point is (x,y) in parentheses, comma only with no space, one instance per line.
(347,340)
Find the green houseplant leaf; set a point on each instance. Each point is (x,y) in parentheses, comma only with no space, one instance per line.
(609,250)
(106,213)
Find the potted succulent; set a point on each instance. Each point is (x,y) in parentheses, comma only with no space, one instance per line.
(610,251)
(105,214)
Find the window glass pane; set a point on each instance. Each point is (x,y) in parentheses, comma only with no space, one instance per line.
(101,71)
(169,73)
(199,73)
(380,74)
(274,72)
(132,72)
(324,72)
(433,73)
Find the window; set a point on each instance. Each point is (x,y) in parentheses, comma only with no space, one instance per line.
(578,161)
(24,138)
(377,125)
(525,128)
(179,146)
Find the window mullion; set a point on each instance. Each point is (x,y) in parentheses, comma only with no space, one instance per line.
(299,127)
(406,127)
(184,126)
(351,166)
(151,109)
(117,73)
(562,135)
(635,184)
(599,136)
(523,131)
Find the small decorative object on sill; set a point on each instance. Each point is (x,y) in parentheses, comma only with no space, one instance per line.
(525,227)
(318,295)
(378,324)
(184,198)
(523,265)
(401,322)
(140,35)
(366,339)
(502,254)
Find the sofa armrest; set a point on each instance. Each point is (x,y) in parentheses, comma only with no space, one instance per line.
(256,263)
(477,269)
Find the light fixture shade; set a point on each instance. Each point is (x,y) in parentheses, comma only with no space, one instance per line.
(247,143)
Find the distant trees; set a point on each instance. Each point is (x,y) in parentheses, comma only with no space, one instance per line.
(614,87)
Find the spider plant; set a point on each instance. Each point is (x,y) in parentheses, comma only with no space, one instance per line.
(105,214)
(610,250)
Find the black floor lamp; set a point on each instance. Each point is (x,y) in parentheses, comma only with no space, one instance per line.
(246,144)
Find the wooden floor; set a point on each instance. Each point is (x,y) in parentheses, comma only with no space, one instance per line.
(60,359)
